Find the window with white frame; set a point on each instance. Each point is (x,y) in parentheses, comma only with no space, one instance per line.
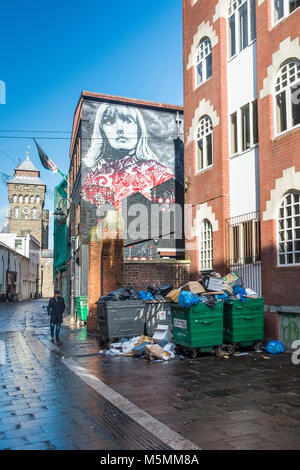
(282,8)
(204,150)
(242,25)
(244,128)
(287,97)
(289,230)
(206,246)
(204,61)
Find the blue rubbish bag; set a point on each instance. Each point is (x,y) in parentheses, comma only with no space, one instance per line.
(239,292)
(274,347)
(145,295)
(187,299)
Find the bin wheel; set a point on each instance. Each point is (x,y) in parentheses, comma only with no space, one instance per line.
(179,349)
(193,353)
(231,348)
(258,345)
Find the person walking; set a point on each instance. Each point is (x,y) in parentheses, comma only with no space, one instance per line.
(55,309)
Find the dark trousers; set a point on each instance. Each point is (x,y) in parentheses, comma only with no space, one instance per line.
(57,329)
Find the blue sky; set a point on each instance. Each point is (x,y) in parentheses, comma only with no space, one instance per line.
(52,50)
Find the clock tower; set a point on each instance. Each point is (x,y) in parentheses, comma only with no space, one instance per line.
(26,194)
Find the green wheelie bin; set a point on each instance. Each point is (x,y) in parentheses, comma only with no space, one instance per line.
(82,308)
(243,323)
(198,328)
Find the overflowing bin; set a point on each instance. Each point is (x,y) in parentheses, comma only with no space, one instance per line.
(244,323)
(198,328)
(120,319)
(82,308)
(157,312)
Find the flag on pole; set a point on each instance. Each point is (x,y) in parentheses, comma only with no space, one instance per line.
(45,160)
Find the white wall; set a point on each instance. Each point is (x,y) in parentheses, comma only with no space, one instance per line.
(243,168)
(242,78)
(244,183)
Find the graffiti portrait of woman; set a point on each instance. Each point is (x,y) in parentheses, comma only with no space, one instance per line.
(119,160)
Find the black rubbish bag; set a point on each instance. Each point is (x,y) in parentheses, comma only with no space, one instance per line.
(163,290)
(211,301)
(118,294)
(133,295)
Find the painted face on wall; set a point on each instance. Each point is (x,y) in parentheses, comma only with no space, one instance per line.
(121,131)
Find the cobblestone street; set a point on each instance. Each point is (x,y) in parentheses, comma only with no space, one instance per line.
(64,395)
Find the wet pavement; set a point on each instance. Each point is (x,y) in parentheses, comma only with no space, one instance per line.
(245,402)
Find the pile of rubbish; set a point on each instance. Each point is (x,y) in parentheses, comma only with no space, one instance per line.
(157,348)
(212,289)
(129,293)
(208,289)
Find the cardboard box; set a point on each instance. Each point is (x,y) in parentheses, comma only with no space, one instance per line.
(194,286)
(154,351)
(162,333)
(173,296)
(214,284)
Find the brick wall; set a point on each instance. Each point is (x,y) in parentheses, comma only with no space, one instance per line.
(142,274)
(105,271)
(276,155)
(211,185)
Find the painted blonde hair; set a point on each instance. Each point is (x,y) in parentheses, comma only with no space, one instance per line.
(100,145)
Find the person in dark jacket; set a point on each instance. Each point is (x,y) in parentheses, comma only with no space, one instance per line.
(55,309)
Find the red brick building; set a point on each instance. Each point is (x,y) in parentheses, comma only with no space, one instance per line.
(242,147)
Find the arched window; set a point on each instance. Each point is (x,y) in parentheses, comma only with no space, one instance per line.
(204,61)
(289,230)
(206,246)
(242,24)
(20,198)
(15,198)
(26,199)
(38,199)
(32,199)
(17,212)
(287,97)
(204,152)
(282,8)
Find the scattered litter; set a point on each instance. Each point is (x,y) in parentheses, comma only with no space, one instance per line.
(265,357)
(144,347)
(237,354)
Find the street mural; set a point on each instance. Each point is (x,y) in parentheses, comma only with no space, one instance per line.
(120,160)
(129,151)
